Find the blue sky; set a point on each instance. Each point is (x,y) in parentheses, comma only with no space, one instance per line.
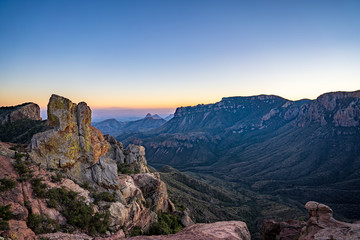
(165,54)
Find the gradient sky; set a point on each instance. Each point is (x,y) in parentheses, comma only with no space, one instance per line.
(165,54)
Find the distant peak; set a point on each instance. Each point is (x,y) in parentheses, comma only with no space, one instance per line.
(148,115)
(157,116)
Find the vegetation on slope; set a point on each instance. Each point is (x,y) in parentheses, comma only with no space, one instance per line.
(21,131)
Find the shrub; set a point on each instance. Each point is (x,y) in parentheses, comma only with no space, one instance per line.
(7,184)
(77,212)
(124,168)
(103,196)
(42,224)
(136,231)
(5,215)
(21,168)
(166,224)
(39,188)
(57,178)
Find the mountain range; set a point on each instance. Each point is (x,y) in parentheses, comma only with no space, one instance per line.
(115,127)
(298,150)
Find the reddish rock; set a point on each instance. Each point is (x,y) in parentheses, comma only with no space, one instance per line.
(321,225)
(19,231)
(65,236)
(228,230)
(289,230)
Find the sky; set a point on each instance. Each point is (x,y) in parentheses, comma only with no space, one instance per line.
(154,54)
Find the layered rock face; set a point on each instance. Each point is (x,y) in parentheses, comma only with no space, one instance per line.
(99,161)
(320,226)
(342,109)
(72,140)
(75,145)
(23,111)
(234,230)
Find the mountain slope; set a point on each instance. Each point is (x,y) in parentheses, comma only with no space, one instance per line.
(298,149)
(109,126)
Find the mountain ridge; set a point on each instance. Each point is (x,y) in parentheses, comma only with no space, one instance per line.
(270,144)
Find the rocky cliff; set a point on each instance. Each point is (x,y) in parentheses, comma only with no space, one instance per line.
(72,177)
(23,111)
(295,149)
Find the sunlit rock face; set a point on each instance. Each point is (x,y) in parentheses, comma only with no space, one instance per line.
(73,139)
(23,111)
(75,145)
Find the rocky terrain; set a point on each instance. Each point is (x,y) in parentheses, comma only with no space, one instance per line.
(296,150)
(72,182)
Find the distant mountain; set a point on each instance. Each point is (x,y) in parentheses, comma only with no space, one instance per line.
(157,116)
(116,128)
(301,150)
(142,125)
(170,116)
(109,126)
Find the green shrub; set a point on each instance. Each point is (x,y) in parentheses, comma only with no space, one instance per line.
(5,215)
(39,188)
(87,186)
(167,223)
(7,184)
(136,231)
(22,168)
(124,168)
(103,196)
(77,212)
(41,224)
(57,178)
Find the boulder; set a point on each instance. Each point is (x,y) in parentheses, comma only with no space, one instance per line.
(234,230)
(154,190)
(289,230)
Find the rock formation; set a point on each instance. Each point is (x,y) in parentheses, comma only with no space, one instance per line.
(320,226)
(88,158)
(289,230)
(23,111)
(75,145)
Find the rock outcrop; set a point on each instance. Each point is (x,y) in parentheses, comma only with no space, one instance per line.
(289,230)
(75,145)
(320,226)
(23,111)
(89,158)
(341,109)
(234,230)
